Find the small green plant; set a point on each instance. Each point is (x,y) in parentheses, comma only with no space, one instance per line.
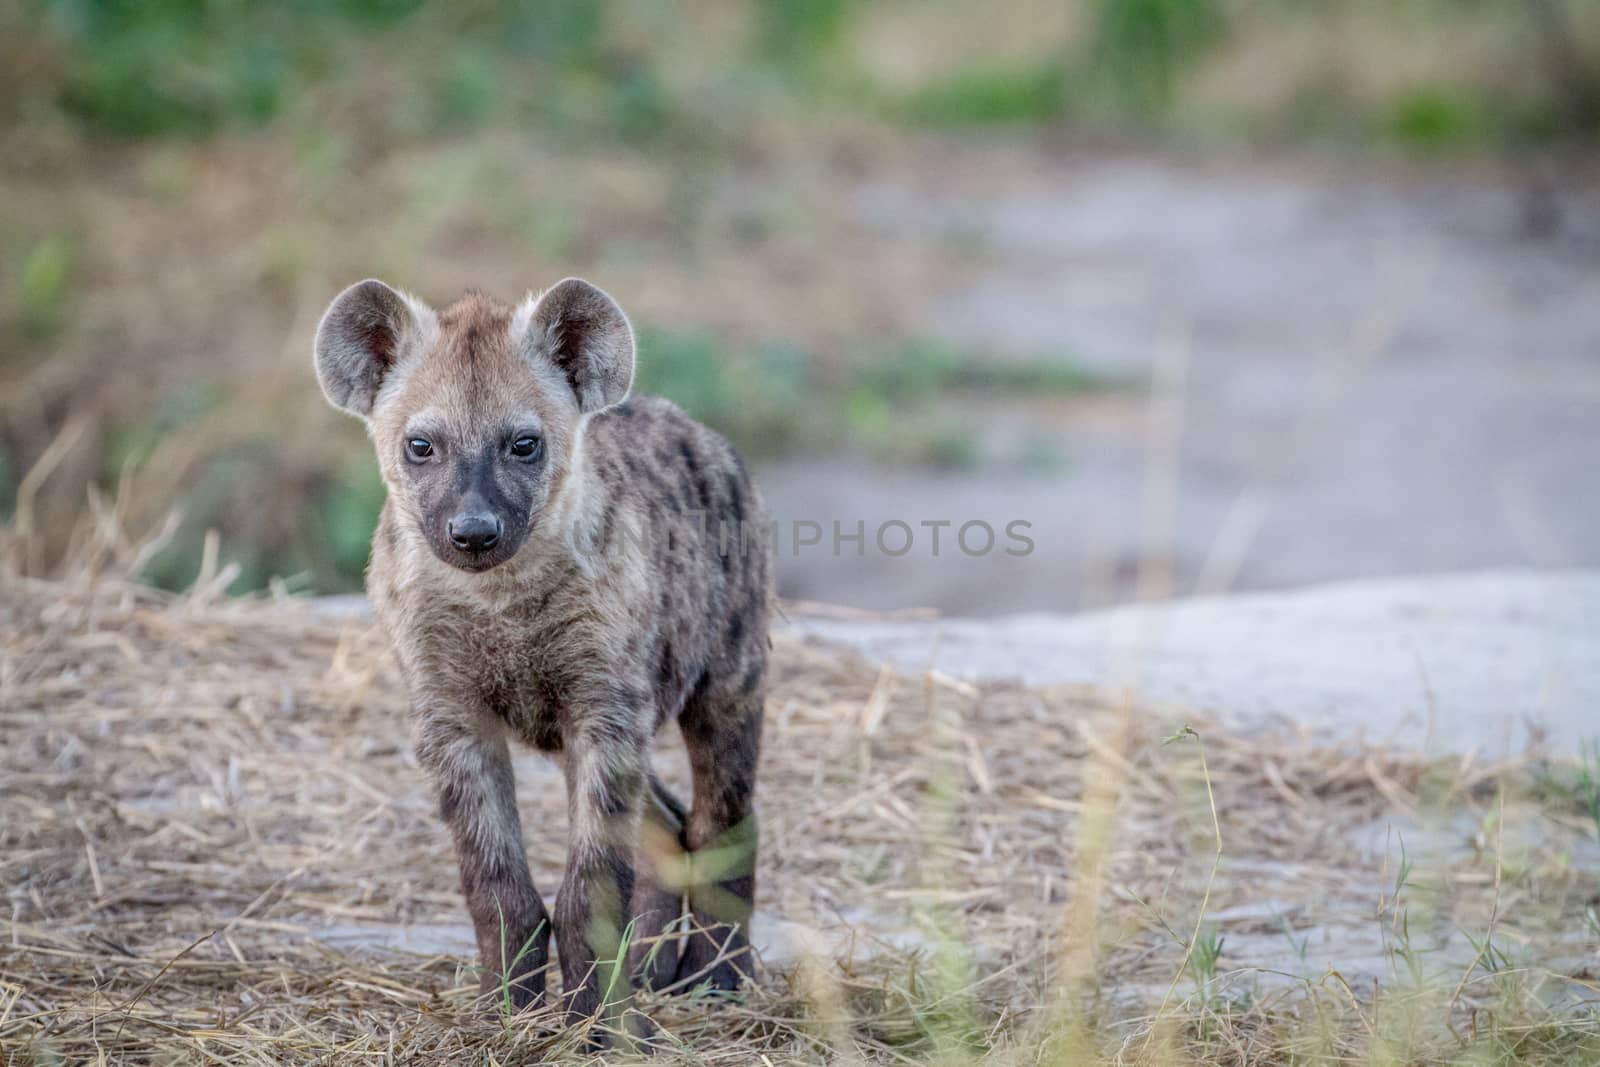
(1402,874)
(1490,957)
(1204,945)
(1203,960)
(991,97)
(1139,47)
(1401,948)
(508,967)
(790,32)
(42,285)
(1588,781)
(1435,118)
(616,968)
(919,370)
(1299,945)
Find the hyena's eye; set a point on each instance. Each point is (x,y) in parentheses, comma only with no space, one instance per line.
(527,446)
(419,448)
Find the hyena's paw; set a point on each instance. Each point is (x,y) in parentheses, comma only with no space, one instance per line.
(653,958)
(655,964)
(715,956)
(509,994)
(630,1031)
(619,1026)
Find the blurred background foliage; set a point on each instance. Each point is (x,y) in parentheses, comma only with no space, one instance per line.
(186,181)
(631,69)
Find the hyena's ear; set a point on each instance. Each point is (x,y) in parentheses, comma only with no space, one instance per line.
(580,329)
(365,332)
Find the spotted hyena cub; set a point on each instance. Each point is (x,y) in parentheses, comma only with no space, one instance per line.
(563,565)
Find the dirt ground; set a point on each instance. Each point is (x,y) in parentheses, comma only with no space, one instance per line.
(219,850)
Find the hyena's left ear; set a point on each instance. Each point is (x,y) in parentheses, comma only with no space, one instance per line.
(367,330)
(579,328)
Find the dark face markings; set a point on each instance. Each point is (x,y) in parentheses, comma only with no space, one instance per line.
(458,485)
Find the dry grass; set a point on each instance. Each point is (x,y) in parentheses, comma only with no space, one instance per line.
(202,796)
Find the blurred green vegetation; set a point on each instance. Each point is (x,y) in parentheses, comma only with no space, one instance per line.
(1022,94)
(196,67)
(355,122)
(887,403)
(1141,45)
(42,289)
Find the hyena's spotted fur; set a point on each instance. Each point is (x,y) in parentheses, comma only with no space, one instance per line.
(615,590)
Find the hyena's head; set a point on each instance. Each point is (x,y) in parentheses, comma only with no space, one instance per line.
(477,410)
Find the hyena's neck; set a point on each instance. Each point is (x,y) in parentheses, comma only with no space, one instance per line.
(567,530)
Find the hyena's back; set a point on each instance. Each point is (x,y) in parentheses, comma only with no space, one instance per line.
(696,522)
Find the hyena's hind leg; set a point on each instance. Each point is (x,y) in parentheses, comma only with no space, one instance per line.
(722,731)
(661,868)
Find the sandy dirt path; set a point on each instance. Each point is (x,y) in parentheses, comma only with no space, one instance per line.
(1359,376)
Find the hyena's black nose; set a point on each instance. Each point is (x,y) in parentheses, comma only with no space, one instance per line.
(474,532)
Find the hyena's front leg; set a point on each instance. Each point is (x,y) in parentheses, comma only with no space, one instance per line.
(471,769)
(605,764)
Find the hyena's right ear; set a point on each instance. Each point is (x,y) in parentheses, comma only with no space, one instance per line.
(365,332)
